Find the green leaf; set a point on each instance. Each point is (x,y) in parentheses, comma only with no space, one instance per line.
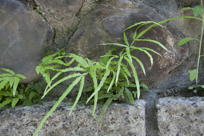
(125,39)
(140,64)
(59,82)
(109,62)
(73,69)
(186,8)
(128,52)
(112,82)
(54,107)
(153,41)
(15,85)
(14,102)
(135,75)
(3,83)
(145,52)
(198,10)
(5,102)
(184,41)
(105,107)
(80,60)
(127,80)
(79,93)
(145,86)
(118,69)
(95,82)
(151,50)
(115,44)
(142,23)
(11,72)
(165,21)
(107,73)
(6,93)
(129,96)
(32,95)
(192,74)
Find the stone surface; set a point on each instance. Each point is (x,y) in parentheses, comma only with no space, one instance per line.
(23,38)
(63,16)
(120,120)
(187,3)
(181,116)
(106,24)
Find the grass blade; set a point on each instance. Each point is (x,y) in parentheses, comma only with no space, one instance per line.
(54,107)
(125,39)
(153,41)
(142,23)
(145,52)
(79,94)
(80,60)
(15,85)
(107,73)
(135,76)
(59,82)
(115,44)
(112,82)
(118,69)
(151,50)
(140,64)
(165,21)
(184,41)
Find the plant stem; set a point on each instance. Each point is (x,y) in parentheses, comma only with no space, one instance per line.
(200,46)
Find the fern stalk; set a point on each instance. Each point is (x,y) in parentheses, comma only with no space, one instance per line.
(200,46)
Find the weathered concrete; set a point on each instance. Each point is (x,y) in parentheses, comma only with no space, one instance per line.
(181,116)
(120,120)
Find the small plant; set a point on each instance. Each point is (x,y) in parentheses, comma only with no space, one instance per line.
(9,82)
(113,78)
(198,12)
(13,93)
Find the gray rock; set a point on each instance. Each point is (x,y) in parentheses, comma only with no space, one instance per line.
(63,17)
(23,36)
(187,3)
(120,120)
(181,116)
(106,24)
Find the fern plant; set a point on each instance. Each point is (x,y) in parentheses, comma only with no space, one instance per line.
(9,82)
(113,78)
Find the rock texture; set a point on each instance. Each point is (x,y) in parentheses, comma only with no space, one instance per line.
(106,24)
(120,120)
(81,26)
(181,116)
(62,15)
(23,38)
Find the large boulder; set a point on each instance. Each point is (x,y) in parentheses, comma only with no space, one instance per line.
(106,24)
(23,38)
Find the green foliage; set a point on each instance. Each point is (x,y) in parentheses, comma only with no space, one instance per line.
(51,63)
(184,41)
(198,11)
(9,79)
(13,93)
(113,78)
(192,74)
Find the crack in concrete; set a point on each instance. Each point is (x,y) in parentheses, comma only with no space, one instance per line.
(151,122)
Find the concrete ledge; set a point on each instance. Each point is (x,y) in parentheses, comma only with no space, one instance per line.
(181,116)
(120,120)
